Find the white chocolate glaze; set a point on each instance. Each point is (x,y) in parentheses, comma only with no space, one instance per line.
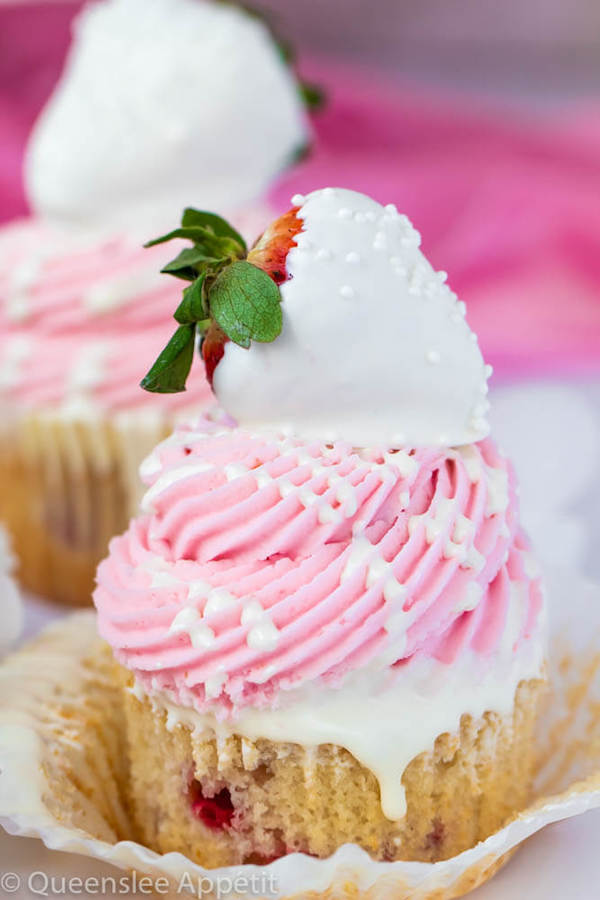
(385,719)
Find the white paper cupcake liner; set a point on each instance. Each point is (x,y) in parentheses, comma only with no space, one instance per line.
(61,770)
(11,605)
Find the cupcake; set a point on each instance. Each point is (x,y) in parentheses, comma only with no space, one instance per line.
(83,307)
(326,619)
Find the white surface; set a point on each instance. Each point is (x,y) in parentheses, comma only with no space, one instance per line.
(562,861)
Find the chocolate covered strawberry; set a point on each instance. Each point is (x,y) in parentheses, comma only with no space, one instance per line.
(374,348)
(233,293)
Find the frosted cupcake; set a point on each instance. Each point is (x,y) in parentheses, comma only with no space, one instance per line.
(83,307)
(326,619)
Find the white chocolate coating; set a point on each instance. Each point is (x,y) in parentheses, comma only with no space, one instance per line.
(375,348)
(163,104)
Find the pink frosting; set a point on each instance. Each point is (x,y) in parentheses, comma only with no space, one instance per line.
(76,302)
(316,534)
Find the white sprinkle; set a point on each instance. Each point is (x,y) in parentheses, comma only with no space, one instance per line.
(433,357)
(214,684)
(252,612)
(393,590)
(347,291)
(345,213)
(471,461)
(361,548)
(201,636)
(234,470)
(441,276)
(198,589)
(184,619)
(360,217)
(488,371)
(370,216)
(298,199)
(323,253)
(462,307)
(391,208)
(218,600)
(463,528)
(328,192)
(381,241)
(264,636)
(352,257)
(396,628)
(473,560)
(472,596)
(497,491)
(263,675)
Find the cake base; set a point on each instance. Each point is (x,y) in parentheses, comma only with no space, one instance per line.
(224,801)
(68,486)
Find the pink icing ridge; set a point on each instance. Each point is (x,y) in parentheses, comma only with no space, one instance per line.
(237,529)
(61,327)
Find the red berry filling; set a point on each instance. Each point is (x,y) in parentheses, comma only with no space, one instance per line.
(214,812)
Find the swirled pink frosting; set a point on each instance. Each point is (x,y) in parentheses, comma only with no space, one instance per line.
(82,318)
(342,559)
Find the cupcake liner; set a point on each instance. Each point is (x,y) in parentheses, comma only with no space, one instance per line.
(62,770)
(70,484)
(10,598)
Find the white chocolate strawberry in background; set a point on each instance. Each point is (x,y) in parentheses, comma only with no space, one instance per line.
(164,103)
(374,348)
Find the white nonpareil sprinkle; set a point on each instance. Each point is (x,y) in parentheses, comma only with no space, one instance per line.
(264,636)
(252,612)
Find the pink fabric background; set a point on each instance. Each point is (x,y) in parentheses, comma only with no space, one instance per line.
(508,202)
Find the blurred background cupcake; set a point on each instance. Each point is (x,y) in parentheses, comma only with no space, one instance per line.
(158,104)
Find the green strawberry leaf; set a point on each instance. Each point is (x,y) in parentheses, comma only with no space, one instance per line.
(200,218)
(189,264)
(246,304)
(204,238)
(170,371)
(192,308)
(193,233)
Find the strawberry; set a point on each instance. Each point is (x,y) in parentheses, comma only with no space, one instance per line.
(269,253)
(213,349)
(271,249)
(233,293)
